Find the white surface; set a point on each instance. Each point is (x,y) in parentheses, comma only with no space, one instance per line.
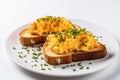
(98,65)
(14,13)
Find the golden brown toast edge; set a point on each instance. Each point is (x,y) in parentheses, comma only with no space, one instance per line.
(31,39)
(93,54)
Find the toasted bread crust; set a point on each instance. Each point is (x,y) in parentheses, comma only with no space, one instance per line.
(32,39)
(98,53)
(58,60)
(93,54)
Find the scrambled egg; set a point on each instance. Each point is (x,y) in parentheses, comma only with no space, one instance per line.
(72,40)
(49,24)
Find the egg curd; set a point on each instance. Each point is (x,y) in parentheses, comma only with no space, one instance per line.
(72,40)
(49,24)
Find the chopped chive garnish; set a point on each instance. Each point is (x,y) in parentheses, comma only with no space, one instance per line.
(49,68)
(38,21)
(36,60)
(35,64)
(42,68)
(61,38)
(20,56)
(74,69)
(34,57)
(41,65)
(34,54)
(19,52)
(45,65)
(41,58)
(40,53)
(25,61)
(94,36)
(85,44)
(14,48)
(83,29)
(67,66)
(24,47)
(28,50)
(81,67)
(63,67)
(87,67)
(38,49)
(100,36)
(97,37)
(90,62)
(79,64)
(72,65)
(25,55)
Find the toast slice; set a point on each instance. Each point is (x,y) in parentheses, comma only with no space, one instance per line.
(55,59)
(28,39)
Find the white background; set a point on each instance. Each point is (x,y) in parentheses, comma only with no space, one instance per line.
(14,13)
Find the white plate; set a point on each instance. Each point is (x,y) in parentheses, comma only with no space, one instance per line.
(97,65)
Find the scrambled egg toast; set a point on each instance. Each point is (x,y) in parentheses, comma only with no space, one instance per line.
(64,41)
(72,40)
(39,29)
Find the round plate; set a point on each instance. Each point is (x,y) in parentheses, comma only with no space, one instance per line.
(25,59)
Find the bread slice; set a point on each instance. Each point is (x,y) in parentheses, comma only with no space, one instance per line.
(28,39)
(55,59)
